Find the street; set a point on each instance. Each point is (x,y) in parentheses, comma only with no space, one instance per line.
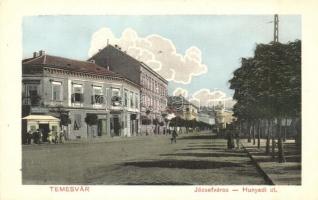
(196,159)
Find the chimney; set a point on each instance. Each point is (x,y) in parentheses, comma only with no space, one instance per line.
(41,53)
(35,54)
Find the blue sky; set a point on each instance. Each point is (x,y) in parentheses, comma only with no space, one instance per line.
(222,39)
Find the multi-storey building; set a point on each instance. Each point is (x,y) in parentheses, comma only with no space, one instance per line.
(154,88)
(182,107)
(88,99)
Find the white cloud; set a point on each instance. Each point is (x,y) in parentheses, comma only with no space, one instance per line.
(180,91)
(156,51)
(206,97)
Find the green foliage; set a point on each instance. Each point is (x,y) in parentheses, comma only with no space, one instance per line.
(91,119)
(269,84)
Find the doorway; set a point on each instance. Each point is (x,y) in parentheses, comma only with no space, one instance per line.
(116,126)
(102,127)
(45,129)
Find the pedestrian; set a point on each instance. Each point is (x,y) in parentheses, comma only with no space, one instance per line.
(62,136)
(40,135)
(50,136)
(174,136)
(36,136)
(29,136)
(55,137)
(230,142)
(237,139)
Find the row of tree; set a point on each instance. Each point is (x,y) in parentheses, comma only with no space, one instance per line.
(180,122)
(268,90)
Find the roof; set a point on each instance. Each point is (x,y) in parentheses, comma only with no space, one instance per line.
(41,117)
(68,64)
(114,56)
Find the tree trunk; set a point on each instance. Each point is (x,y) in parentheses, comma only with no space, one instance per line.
(254,129)
(273,141)
(268,136)
(259,135)
(285,130)
(249,134)
(281,156)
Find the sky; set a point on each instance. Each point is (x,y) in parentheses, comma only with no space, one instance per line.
(196,53)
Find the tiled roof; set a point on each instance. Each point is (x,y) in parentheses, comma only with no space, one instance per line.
(68,64)
(113,56)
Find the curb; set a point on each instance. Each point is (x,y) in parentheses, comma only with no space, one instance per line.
(258,167)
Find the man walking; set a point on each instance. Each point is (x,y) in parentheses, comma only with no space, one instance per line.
(174,136)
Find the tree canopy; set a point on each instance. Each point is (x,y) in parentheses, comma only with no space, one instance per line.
(268,85)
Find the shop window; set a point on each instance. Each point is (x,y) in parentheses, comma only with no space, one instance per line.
(54,129)
(33,128)
(77,122)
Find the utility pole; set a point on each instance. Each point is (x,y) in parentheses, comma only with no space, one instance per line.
(276,28)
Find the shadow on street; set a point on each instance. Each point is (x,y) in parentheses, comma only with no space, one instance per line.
(183,164)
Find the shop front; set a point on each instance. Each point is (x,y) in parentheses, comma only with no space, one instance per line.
(45,123)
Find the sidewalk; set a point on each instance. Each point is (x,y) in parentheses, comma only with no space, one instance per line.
(288,173)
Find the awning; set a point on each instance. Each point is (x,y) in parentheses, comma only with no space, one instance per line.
(41,118)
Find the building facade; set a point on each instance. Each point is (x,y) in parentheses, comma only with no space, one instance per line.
(154,88)
(182,108)
(206,118)
(89,100)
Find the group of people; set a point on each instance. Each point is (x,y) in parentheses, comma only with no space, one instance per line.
(35,135)
(232,138)
(53,137)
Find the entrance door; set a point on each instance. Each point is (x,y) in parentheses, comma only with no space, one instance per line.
(116,126)
(45,130)
(132,130)
(102,127)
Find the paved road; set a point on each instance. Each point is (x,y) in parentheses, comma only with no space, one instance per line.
(195,159)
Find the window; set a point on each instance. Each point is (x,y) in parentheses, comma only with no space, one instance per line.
(116,99)
(31,94)
(131,98)
(126,98)
(115,92)
(57,91)
(136,101)
(77,95)
(97,97)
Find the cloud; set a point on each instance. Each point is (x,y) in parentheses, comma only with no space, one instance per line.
(156,51)
(180,91)
(206,97)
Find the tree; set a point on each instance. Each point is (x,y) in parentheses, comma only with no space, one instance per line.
(268,88)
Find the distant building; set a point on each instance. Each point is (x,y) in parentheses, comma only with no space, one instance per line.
(223,117)
(206,118)
(89,100)
(182,107)
(154,88)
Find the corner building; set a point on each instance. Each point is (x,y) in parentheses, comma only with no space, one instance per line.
(91,100)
